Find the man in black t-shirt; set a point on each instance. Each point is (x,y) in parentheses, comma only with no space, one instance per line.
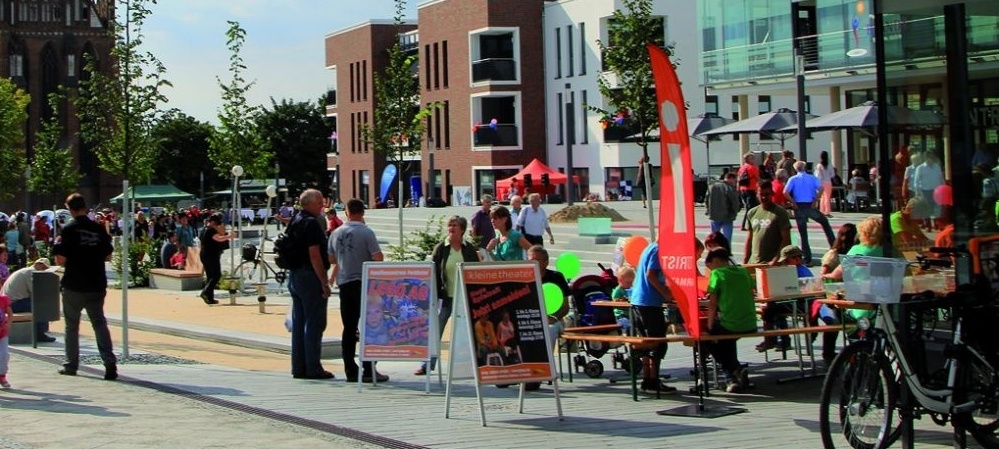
(83,250)
(310,292)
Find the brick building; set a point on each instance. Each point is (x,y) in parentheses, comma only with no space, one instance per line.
(482,60)
(43,45)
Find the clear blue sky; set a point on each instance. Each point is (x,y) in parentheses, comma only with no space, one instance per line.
(283,51)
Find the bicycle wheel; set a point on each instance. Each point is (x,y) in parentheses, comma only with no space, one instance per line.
(982,384)
(858,400)
(248,276)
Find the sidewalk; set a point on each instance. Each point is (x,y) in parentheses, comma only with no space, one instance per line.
(395,414)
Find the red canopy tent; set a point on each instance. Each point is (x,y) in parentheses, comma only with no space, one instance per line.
(536,168)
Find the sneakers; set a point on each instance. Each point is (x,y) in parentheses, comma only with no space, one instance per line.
(3,382)
(739,382)
(209,301)
(366,378)
(420,372)
(111,372)
(769,344)
(67,371)
(653,385)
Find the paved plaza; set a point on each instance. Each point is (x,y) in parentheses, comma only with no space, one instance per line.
(200,376)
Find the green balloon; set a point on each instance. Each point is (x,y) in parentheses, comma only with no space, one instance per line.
(553,298)
(568,265)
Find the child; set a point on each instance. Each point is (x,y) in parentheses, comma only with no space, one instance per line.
(178,260)
(5,314)
(774,313)
(731,310)
(625,279)
(4,270)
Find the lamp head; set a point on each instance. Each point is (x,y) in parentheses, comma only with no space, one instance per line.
(237,170)
(271,191)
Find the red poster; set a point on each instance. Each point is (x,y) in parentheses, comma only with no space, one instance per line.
(676,192)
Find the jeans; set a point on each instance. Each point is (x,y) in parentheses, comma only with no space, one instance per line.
(749,201)
(24,306)
(725,227)
(443,315)
(308,321)
(73,303)
(804,212)
(350,313)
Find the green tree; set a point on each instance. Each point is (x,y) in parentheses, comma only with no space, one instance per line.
(297,133)
(628,86)
(399,121)
(117,106)
(52,168)
(13,115)
(183,149)
(236,140)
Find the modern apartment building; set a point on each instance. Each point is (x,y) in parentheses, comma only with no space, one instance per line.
(46,45)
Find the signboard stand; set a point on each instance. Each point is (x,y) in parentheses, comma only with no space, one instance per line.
(500,331)
(397,320)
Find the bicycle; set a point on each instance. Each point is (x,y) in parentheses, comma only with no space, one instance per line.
(860,396)
(254,269)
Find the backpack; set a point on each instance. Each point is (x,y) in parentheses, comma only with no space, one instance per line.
(286,254)
(744,177)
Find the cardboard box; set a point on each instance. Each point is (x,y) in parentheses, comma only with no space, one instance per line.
(776,281)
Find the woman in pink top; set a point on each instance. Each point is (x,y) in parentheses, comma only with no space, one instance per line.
(825,172)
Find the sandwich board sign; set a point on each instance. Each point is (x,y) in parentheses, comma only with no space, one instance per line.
(500,330)
(398,321)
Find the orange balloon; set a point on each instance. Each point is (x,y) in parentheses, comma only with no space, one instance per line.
(633,249)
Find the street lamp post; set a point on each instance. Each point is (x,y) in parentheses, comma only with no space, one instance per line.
(236,171)
(431,179)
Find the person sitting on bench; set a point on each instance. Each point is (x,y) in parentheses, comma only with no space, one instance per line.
(731,310)
(18,288)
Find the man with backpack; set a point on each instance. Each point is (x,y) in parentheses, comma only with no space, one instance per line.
(309,290)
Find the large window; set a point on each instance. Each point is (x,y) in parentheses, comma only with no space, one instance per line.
(558,53)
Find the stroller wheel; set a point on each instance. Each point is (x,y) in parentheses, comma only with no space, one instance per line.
(594,368)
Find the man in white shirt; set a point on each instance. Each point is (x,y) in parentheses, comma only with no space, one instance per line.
(533,222)
(18,289)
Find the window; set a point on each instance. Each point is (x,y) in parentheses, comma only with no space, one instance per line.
(444,58)
(364,79)
(353,128)
(437,124)
(570,51)
(426,64)
(561,120)
(447,124)
(735,114)
(352,81)
(364,121)
(582,50)
(711,104)
(570,126)
(437,66)
(558,57)
(582,113)
(763,101)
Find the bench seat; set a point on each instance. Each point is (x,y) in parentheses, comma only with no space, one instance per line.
(171,279)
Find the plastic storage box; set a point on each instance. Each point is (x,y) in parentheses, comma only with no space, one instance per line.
(873,279)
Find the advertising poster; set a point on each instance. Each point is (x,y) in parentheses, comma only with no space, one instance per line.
(397,319)
(508,327)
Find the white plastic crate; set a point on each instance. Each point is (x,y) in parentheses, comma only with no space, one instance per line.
(873,279)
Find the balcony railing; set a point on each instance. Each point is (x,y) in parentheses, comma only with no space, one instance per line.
(906,42)
(502,136)
(494,69)
(331,98)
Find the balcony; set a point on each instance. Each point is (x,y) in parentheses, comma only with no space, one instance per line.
(502,136)
(330,102)
(494,69)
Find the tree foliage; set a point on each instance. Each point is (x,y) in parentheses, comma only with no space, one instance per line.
(117,110)
(13,115)
(628,85)
(236,140)
(297,134)
(183,149)
(52,168)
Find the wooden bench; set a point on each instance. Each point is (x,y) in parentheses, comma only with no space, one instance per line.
(190,278)
(636,342)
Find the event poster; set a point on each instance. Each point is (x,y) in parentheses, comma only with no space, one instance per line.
(509,330)
(397,319)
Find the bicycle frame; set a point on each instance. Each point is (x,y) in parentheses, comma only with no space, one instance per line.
(934,400)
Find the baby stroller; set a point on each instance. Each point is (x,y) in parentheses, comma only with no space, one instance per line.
(585,291)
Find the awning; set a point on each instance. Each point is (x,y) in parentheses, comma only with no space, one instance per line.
(151,193)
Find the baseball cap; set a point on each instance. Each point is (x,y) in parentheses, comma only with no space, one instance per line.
(43,261)
(789,251)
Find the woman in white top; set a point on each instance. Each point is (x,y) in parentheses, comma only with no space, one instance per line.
(927,177)
(824,171)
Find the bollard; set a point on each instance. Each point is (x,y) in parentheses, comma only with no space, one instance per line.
(262,296)
(232,290)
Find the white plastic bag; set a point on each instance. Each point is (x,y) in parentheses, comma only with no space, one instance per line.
(287,319)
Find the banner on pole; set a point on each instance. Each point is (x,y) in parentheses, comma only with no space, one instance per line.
(676,191)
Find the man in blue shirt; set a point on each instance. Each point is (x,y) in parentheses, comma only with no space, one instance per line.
(647,297)
(803,190)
